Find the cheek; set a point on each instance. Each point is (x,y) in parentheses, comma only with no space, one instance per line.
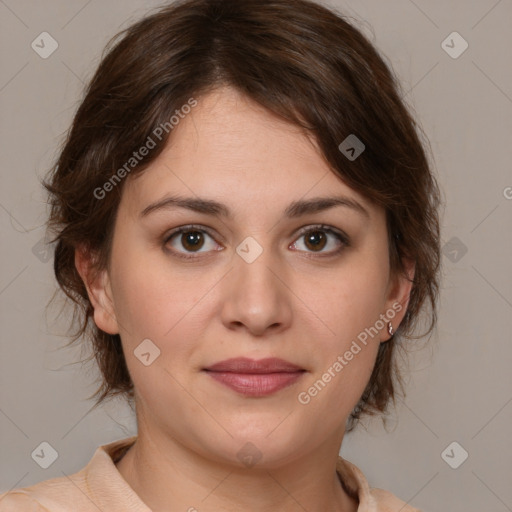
(347,310)
(347,303)
(166,313)
(155,302)
(152,299)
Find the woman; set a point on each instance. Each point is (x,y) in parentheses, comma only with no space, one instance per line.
(244,208)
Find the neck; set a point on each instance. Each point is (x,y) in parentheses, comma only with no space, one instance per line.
(168,476)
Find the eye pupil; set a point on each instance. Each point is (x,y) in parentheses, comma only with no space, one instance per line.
(317,239)
(192,240)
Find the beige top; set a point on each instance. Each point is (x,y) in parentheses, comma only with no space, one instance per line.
(100,486)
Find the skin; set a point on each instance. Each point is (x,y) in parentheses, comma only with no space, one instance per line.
(291,302)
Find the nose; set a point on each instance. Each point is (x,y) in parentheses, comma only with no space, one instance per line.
(256,296)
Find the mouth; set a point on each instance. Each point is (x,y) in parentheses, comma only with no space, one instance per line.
(255,378)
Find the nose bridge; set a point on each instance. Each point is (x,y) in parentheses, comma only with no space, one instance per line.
(256,296)
(253,263)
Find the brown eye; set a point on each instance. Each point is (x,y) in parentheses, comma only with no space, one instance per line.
(315,240)
(192,240)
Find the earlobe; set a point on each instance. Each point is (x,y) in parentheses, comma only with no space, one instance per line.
(98,287)
(398,299)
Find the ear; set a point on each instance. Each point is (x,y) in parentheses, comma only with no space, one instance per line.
(98,290)
(399,293)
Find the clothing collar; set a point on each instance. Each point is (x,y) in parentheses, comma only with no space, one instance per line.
(106,456)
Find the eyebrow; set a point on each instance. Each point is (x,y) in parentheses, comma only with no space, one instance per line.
(294,210)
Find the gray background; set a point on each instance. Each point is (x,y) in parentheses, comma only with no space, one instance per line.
(459,384)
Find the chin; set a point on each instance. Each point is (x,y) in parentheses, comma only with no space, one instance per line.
(257,449)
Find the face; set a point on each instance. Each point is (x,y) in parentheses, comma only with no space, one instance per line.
(265,273)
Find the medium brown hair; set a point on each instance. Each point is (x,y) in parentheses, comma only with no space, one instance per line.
(302,62)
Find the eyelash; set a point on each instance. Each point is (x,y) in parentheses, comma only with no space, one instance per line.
(340,236)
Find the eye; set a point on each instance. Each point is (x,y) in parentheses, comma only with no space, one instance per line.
(187,241)
(193,239)
(317,238)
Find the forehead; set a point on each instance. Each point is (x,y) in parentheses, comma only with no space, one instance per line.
(232,149)
(234,133)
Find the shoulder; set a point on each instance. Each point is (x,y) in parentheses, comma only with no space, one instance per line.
(388,502)
(19,501)
(46,496)
(370,498)
(88,490)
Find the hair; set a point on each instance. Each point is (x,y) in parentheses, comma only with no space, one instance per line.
(301,61)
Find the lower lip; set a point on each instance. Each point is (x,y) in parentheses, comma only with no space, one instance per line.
(256,384)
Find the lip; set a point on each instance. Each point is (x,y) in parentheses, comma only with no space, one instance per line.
(252,366)
(255,377)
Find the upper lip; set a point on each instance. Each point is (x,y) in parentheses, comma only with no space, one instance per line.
(246,365)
